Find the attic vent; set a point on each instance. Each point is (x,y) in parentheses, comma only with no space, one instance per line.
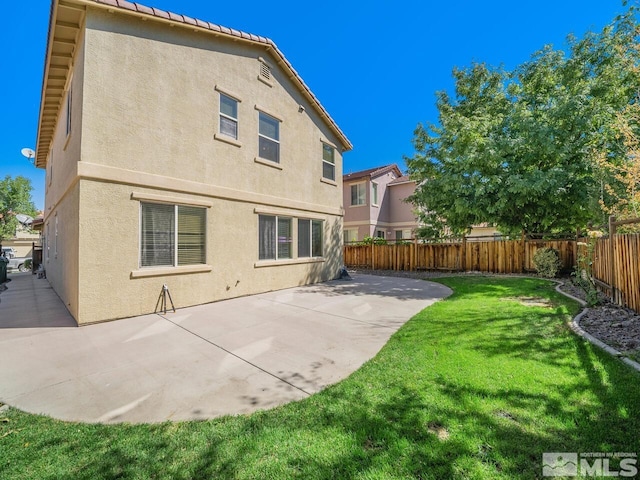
(265,71)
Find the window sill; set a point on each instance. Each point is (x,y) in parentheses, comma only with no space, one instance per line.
(356,206)
(227,139)
(268,163)
(289,261)
(162,271)
(328,181)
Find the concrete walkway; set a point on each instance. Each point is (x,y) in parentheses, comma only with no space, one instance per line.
(230,357)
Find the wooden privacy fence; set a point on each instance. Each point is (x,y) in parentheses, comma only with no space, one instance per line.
(616,265)
(510,256)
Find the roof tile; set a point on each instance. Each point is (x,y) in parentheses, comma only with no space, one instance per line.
(160,13)
(402,179)
(113,3)
(371,172)
(144,9)
(175,17)
(189,20)
(127,5)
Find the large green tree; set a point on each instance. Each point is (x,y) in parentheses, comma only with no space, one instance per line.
(15,198)
(518,148)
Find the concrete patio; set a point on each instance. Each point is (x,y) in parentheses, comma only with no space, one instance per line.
(230,357)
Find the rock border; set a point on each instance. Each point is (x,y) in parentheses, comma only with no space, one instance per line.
(575,326)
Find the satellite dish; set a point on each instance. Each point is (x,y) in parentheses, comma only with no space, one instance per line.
(28,152)
(25,220)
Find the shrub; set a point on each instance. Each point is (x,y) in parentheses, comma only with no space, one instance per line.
(373,240)
(547,262)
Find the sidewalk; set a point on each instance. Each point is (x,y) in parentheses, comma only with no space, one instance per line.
(230,357)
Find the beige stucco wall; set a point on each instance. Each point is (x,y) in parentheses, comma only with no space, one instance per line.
(149,119)
(151,93)
(62,192)
(109,251)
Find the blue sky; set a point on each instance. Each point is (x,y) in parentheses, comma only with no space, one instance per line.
(375,66)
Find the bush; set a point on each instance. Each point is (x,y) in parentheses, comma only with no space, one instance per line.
(547,262)
(373,240)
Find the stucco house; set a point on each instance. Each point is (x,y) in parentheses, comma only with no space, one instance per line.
(375,206)
(182,153)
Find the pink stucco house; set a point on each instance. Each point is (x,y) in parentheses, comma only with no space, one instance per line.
(374,204)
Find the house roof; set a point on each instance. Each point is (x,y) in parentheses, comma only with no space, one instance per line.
(372,172)
(401,180)
(65,22)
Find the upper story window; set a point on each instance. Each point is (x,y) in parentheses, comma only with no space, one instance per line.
(228,116)
(359,194)
(172,235)
(374,193)
(328,162)
(269,138)
(69,104)
(50,167)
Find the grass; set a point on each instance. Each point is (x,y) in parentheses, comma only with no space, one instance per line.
(476,386)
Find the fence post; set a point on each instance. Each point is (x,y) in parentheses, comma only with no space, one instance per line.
(463,257)
(523,250)
(612,259)
(373,259)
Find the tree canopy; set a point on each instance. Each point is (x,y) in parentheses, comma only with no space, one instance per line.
(519,148)
(15,198)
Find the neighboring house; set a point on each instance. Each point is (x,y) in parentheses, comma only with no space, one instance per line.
(375,206)
(22,242)
(179,153)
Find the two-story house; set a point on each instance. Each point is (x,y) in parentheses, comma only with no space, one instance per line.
(181,153)
(375,206)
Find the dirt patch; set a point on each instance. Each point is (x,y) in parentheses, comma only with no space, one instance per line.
(531,301)
(438,430)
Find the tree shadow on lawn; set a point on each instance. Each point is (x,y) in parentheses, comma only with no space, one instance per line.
(414,420)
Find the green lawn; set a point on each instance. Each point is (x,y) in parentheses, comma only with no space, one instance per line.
(476,386)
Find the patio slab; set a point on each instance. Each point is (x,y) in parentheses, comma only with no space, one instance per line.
(230,357)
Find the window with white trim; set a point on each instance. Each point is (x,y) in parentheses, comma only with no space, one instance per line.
(359,194)
(350,235)
(328,162)
(50,167)
(55,240)
(46,242)
(379,233)
(69,104)
(274,237)
(403,234)
(310,238)
(374,193)
(228,116)
(172,235)
(268,137)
